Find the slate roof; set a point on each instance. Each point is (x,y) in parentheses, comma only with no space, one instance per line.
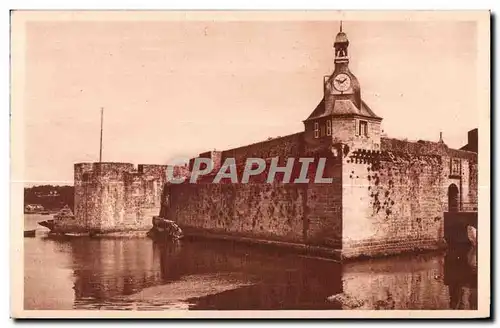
(342,107)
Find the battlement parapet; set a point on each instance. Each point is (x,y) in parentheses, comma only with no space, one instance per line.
(424,148)
(117,196)
(116,171)
(155,170)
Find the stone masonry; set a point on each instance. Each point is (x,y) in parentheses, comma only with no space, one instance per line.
(387,196)
(113,197)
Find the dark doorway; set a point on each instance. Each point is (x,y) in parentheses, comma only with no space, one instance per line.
(452,198)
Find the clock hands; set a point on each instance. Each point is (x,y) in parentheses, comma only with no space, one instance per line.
(341,82)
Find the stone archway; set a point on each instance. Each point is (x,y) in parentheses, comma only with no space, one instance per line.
(453,200)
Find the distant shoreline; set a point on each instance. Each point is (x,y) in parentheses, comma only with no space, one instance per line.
(48,198)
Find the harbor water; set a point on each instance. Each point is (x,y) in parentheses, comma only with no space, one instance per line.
(139,274)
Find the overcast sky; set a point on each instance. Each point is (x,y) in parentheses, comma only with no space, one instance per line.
(173,89)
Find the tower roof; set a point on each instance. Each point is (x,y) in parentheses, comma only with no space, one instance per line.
(342,108)
(341,38)
(340,99)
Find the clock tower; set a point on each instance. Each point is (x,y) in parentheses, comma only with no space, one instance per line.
(342,117)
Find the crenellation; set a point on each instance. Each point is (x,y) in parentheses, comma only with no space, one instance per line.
(116,196)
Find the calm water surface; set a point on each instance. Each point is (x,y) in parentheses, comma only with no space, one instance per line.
(138,274)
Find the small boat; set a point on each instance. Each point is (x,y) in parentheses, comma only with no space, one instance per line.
(47,224)
(29,233)
(45,213)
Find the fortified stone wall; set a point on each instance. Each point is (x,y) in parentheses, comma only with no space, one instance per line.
(116,197)
(87,196)
(380,202)
(323,220)
(257,210)
(473,186)
(282,147)
(153,179)
(465,180)
(391,206)
(110,178)
(389,197)
(301,213)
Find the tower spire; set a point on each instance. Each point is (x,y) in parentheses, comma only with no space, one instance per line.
(341,44)
(100,143)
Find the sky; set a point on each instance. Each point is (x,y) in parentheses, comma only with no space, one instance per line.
(174,89)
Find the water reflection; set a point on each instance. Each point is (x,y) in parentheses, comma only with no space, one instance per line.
(140,274)
(48,275)
(106,268)
(279,280)
(461,278)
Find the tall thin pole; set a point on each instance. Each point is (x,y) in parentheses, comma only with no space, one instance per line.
(100,145)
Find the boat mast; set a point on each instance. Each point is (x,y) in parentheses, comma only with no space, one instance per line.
(100,145)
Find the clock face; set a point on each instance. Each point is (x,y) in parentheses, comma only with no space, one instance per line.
(342,82)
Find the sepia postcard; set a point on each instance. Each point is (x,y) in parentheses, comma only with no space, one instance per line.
(250,164)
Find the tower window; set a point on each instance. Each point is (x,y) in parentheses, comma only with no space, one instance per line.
(363,128)
(328,128)
(316,130)
(455,167)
